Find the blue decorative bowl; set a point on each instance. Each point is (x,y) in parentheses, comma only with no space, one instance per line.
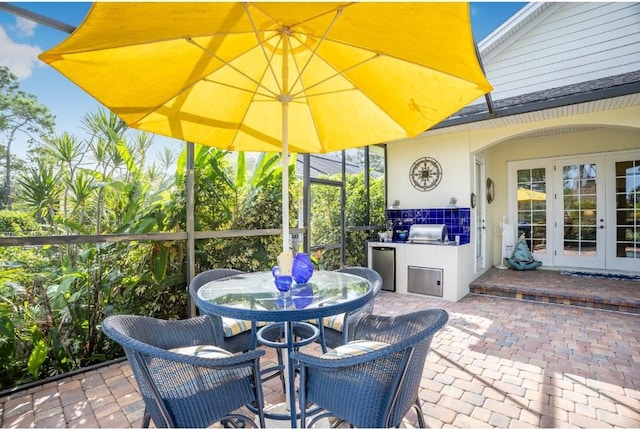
(283,283)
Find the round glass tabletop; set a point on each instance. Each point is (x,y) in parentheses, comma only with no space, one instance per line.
(254,296)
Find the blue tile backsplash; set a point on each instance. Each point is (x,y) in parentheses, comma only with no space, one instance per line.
(458,220)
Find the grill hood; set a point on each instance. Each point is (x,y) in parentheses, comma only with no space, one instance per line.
(431,233)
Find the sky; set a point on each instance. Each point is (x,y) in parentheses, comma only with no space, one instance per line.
(21,41)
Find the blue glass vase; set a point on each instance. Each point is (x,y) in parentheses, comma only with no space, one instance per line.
(302,268)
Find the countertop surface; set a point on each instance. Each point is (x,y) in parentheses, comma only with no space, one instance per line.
(439,243)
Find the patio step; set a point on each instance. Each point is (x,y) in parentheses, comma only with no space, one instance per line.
(546,285)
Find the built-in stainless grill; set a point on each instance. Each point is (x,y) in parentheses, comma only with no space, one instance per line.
(428,233)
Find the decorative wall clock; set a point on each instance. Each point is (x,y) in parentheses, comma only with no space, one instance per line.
(490,191)
(425,174)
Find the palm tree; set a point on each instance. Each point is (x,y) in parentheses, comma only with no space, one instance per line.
(41,190)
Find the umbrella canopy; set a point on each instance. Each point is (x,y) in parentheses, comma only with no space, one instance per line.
(276,77)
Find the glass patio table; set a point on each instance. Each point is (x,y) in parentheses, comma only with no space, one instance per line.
(254,297)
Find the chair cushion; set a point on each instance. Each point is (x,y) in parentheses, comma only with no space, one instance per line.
(233,327)
(203,351)
(334,322)
(354,348)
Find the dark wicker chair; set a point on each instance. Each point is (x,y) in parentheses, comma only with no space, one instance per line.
(341,332)
(376,388)
(186,390)
(241,342)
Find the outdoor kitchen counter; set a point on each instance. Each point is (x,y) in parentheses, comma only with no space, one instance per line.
(455,261)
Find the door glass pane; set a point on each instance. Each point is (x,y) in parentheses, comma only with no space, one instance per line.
(579,213)
(532,208)
(628,209)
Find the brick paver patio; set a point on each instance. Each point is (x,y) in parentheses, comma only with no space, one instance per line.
(498,363)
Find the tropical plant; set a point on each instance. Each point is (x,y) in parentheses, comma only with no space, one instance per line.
(232,193)
(58,295)
(41,190)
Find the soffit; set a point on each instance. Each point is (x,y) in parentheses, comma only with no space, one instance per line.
(540,115)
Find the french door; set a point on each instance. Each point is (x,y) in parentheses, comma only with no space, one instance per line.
(623,199)
(579,211)
(580,214)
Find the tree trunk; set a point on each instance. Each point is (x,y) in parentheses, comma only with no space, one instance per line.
(7,180)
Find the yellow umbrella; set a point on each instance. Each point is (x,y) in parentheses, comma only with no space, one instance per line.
(276,77)
(529,194)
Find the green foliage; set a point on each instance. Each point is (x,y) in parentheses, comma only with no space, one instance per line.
(37,358)
(41,189)
(54,298)
(240,199)
(17,223)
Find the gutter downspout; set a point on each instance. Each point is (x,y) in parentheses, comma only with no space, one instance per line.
(490,107)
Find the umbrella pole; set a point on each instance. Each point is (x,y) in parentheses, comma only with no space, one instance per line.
(288,373)
(284,99)
(285,177)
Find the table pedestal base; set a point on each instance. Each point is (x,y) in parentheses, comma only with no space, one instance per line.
(282,410)
(295,334)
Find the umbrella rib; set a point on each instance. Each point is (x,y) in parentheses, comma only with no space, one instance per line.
(320,94)
(264,52)
(222,60)
(239,88)
(320,42)
(406,60)
(338,73)
(140,43)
